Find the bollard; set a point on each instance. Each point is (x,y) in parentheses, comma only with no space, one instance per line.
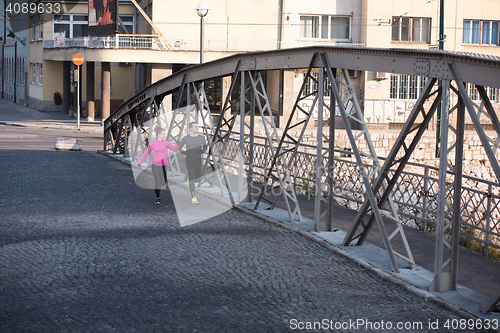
(68,144)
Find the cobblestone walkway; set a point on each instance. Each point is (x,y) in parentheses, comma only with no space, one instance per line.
(83,249)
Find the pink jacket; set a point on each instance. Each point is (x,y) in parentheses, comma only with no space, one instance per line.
(159,149)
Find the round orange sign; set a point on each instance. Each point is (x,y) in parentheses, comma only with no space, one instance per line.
(78,59)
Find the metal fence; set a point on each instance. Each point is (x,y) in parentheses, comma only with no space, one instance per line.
(127,42)
(415,194)
(153,42)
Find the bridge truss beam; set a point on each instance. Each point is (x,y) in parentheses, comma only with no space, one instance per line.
(449,215)
(379,181)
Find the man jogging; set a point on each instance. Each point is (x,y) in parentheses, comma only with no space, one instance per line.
(195,145)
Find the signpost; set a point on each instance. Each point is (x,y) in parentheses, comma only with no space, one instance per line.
(78,60)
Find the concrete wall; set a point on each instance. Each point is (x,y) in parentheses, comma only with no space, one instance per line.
(238,21)
(294,9)
(52,82)
(469,10)
(160,71)
(377,15)
(377,18)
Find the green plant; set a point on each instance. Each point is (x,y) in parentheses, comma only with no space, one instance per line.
(57,98)
(494,253)
(306,189)
(476,246)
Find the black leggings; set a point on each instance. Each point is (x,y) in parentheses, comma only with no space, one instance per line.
(193,166)
(160,176)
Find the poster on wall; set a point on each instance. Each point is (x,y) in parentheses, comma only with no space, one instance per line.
(103,17)
(59,39)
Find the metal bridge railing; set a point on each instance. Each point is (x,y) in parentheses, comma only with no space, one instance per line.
(415,194)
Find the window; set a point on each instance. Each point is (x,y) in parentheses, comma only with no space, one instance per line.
(411,29)
(40,26)
(33,73)
(213,90)
(20,73)
(312,85)
(339,28)
(406,86)
(40,71)
(32,27)
(126,26)
(473,93)
(480,32)
(325,27)
(72,25)
(309,26)
(492,93)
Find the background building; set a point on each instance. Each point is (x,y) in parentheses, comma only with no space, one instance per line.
(157,38)
(14,55)
(469,26)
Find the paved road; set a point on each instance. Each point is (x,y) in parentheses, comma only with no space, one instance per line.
(83,249)
(39,138)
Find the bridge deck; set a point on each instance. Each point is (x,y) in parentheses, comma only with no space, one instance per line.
(473,293)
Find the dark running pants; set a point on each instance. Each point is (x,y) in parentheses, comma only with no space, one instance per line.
(193,166)
(160,176)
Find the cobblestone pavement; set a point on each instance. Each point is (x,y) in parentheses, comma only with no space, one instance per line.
(83,249)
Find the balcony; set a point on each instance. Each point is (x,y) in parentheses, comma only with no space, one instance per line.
(141,42)
(153,42)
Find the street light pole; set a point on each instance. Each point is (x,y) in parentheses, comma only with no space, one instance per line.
(441,47)
(201,40)
(202,11)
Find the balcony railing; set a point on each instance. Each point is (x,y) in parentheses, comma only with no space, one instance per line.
(153,42)
(146,42)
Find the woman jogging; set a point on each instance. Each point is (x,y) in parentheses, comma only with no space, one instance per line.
(195,146)
(160,159)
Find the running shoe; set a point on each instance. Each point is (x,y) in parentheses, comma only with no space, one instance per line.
(194,201)
(158,201)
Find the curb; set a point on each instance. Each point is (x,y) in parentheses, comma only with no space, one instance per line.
(11,124)
(88,130)
(67,128)
(428,296)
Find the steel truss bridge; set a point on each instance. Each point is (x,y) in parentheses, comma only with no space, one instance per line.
(446,73)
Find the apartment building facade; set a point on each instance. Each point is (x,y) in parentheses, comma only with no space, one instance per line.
(14,55)
(469,26)
(156,38)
